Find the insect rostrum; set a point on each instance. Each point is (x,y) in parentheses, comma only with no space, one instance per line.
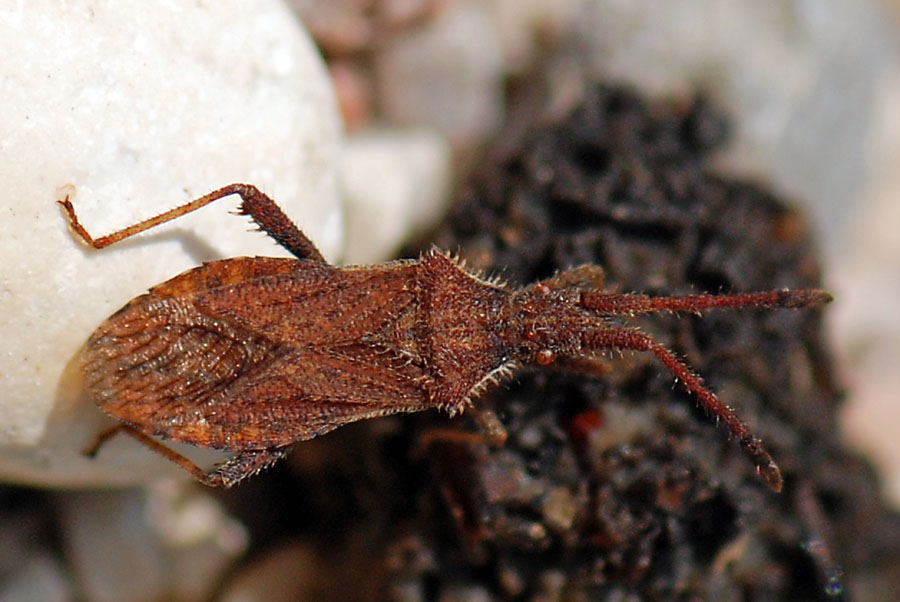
(253,354)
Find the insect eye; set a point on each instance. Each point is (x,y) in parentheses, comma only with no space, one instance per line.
(545,357)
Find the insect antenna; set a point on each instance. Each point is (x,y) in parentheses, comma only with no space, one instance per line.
(630,304)
(628,338)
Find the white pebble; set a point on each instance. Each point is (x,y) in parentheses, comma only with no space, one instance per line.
(395,183)
(448,74)
(137,108)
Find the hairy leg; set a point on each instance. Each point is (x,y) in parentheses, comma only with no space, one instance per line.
(264,211)
(226,474)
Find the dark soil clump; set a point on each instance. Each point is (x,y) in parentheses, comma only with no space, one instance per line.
(614,487)
(611,488)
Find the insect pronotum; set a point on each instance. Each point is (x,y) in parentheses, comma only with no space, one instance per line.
(253,354)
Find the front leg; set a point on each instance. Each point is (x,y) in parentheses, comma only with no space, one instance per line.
(491,432)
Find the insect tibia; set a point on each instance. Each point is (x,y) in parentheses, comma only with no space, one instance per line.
(241,466)
(261,208)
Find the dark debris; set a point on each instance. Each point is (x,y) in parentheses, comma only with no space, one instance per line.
(614,488)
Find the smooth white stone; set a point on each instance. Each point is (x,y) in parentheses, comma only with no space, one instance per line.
(176,533)
(137,108)
(39,577)
(447,74)
(395,184)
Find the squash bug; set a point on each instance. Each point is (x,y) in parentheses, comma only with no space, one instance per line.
(254,354)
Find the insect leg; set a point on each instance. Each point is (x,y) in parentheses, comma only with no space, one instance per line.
(273,221)
(492,429)
(260,207)
(101,438)
(228,473)
(492,432)
(627,338)
(819,542)
(243,465)
(150,442)
(591,366)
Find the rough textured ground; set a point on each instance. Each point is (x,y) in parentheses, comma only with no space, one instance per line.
(616,488)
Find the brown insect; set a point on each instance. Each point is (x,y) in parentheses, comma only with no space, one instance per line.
(253,354)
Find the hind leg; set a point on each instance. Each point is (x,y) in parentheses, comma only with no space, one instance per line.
(226,474)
